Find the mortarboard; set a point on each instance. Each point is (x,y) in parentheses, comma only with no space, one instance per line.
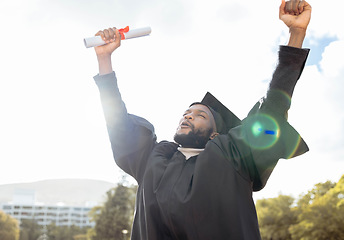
(224,118)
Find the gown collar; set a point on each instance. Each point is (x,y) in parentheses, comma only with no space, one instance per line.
(190,152)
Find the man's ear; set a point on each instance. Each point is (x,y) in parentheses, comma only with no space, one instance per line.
(213,135)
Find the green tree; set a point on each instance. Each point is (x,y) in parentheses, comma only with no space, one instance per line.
(80,237)
(9,227)
(321,213)
(30,229)
(318,191)
(65,232)
(115,215)
(275,215)
(91,233)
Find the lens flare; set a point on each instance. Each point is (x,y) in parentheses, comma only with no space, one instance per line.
(262,131)
(294,148)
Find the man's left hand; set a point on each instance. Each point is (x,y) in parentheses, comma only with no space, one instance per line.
(295,14)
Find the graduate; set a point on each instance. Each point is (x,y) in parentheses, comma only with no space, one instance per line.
(200,186)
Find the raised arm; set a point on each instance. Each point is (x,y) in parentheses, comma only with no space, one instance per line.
(267,131)
(296,15)
(131,137)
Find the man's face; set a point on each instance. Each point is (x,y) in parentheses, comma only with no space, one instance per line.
(196,127)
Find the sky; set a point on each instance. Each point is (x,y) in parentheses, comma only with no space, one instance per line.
(52,125)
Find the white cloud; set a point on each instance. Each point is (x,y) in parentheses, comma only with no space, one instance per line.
(326,18)
(331,63)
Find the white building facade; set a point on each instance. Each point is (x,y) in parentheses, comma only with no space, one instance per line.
(48,214)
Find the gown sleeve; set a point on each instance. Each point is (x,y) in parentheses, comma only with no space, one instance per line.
(132,138)
(266,129)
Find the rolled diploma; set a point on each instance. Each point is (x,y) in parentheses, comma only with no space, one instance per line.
(98,41)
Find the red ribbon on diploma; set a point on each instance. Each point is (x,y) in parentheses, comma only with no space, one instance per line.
(122,31)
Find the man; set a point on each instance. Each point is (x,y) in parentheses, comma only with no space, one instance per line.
(200,186)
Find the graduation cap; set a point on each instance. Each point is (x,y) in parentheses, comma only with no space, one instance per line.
(224,118)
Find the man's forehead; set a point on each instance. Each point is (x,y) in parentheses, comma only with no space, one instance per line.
(200,107)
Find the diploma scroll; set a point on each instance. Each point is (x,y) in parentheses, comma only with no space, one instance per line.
(125,34)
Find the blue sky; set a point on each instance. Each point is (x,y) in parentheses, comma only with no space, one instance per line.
(52,124)
(318,47)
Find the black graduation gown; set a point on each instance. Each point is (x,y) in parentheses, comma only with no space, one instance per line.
(208,196)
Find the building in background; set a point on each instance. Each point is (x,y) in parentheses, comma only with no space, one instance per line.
(24,206)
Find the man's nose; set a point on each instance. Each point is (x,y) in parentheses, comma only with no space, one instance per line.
(188,116)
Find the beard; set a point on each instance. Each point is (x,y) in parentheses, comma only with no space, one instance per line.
(194,139)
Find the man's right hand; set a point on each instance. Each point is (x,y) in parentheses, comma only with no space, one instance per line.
(112,38)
